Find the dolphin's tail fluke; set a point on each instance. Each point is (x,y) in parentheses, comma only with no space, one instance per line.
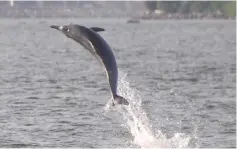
(120,100)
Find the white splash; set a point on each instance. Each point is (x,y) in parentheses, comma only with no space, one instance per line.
(139,125)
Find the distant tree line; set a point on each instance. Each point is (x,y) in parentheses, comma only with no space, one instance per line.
(227,8)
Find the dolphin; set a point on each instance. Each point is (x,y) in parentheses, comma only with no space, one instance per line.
(97,46)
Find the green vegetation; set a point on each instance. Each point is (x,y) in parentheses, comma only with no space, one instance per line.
(224,8)
(229,9)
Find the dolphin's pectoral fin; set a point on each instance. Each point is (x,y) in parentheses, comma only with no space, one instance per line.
(88,45)
(97,29)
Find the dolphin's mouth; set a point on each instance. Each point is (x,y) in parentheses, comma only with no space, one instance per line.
(56,27)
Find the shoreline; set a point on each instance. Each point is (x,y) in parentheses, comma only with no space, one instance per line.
(120,18)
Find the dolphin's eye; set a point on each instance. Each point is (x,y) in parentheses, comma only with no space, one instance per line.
(66,29)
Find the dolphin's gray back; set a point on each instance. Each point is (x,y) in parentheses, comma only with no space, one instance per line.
(105,53)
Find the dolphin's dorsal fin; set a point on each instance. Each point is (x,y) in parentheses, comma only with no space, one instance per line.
(97,29)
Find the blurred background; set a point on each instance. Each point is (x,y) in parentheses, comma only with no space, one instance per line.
(115,9)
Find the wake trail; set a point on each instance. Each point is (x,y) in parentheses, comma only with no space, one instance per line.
(137,122)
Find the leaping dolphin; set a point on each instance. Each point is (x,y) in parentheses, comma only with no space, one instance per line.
(97,46)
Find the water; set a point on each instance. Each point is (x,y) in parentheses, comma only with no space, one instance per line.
(179,77)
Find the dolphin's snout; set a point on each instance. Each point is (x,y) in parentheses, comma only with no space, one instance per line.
(56,27)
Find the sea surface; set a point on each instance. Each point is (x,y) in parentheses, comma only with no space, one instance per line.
(179,77)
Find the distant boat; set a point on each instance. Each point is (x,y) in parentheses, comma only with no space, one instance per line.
(133,20)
